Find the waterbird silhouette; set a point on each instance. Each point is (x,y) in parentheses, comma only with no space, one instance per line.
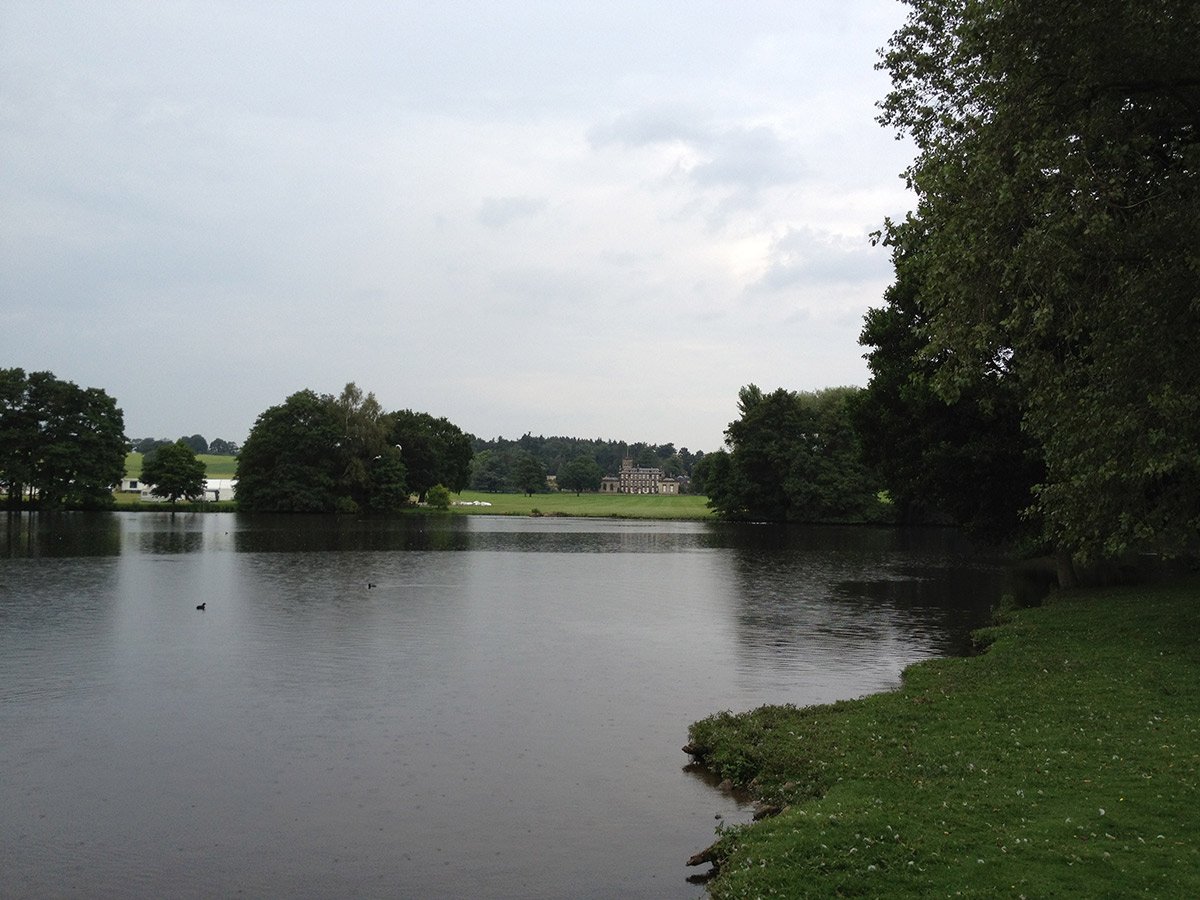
(202,605)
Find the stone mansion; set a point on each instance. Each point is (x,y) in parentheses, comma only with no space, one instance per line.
(633,479)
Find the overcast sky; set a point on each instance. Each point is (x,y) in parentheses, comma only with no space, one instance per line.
(583,219)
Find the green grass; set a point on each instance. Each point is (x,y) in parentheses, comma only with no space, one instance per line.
(565,503)
(1062,762)
(216,466)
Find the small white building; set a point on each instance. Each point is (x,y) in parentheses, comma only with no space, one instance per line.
(214,489)
(220,488)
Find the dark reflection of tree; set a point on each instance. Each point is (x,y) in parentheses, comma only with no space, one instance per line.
(272,533)
(57,533)
(284,533)
(171,541)
(846,593)
(168,532)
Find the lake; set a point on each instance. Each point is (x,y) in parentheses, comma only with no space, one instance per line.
(424,706)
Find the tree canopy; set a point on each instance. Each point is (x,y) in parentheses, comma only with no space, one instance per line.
(1058,186)
(794,457)
(290,461)
(216,447)
(60,445)
(320,453)
(495,460)
(197,443)
(580,474)
(967,460)
(434,450)
(529,474)
(174,471)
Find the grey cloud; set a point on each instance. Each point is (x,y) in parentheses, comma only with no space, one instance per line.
(496,212)
(737,157)
(804,255)
(749,159)
(658,125)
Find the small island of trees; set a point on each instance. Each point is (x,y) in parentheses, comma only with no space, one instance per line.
(60,445)
(321,453)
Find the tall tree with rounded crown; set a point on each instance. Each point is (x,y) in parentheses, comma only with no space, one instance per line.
(1058,186)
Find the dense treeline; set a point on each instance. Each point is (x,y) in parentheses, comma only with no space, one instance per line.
(513,465)
(965,460)
(1048,282)
(320,453)
(1033,366)
(60,444)
(793,457)
(197,443)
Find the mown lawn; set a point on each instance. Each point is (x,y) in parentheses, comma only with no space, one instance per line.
(1062,762)
(565,503)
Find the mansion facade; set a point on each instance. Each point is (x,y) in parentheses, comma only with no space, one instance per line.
(633,479)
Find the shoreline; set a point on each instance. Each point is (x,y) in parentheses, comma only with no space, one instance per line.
(1074,738)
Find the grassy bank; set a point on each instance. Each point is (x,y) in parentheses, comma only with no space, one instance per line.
(1062,762)
(565,503)
(134,503)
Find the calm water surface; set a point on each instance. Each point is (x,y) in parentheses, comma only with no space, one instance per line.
(499,716)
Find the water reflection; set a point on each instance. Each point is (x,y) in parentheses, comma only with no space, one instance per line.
(60,533)
(425,706)
(865,602)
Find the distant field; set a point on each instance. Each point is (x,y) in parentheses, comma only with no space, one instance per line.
(565,503)
(216,466)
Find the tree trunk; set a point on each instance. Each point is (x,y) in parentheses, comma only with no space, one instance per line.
(1064,567)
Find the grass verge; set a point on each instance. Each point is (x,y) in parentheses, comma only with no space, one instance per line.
(1062,762)
(134,503)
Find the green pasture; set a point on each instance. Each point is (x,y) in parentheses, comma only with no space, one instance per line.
(1063,762)
(566,503)
(216,466)
(563,503)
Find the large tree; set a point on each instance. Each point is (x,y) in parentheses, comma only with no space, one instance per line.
(434,450)
(319,453)
(290,461)
(968,459)
(529,474)
(490,470)
(372,474)
(580,474)
(174,471)
(1058,186)
(60,444)
(794,457)
(197,443)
